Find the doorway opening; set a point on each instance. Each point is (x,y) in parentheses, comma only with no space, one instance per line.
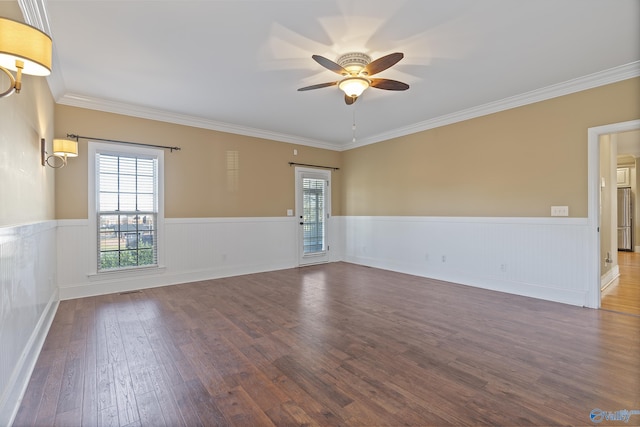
(619,253)
(600,209)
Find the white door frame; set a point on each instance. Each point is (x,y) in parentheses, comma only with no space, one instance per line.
(594,134)
(321,174)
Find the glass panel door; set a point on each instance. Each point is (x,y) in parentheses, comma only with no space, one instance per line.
(312,209)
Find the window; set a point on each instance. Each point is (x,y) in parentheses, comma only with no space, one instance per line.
(128,214)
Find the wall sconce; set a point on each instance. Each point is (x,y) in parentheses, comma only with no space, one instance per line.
(23,49)
(62,149)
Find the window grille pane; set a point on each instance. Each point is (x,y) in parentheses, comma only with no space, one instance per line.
(109,260)
(108,201)
(109,182)
(127,166)
(109,242)
(127,184)
(128,258)
(146,167)
(145,256)
(145,184)
(109,233)
(108,164)
(127,202)
(147,221)
(109,222)
(145,202)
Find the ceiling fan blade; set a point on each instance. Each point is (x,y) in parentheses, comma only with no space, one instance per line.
(350,99)
(387,84)
(318,86)
(330,65)
(383,63)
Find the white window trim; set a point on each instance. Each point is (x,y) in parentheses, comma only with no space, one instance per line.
(119,149)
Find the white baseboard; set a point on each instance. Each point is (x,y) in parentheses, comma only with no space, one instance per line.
(609,277)
(492,283)
(110,283)
(19,381)
(535,257)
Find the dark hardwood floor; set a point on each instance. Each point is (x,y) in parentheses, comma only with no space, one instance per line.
(623,294)
(329,345)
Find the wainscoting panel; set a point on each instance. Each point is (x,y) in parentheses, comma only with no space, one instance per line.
(28,302)
(537,257)
(194,249)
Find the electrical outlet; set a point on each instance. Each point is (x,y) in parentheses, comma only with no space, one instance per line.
(559,210)
(444,258)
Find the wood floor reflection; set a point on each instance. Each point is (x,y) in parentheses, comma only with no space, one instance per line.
(623,294)
(328,345)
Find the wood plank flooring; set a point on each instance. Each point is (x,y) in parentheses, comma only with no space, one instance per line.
(331,345)
(623,294)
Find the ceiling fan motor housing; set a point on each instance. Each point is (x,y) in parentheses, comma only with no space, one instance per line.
(354,62)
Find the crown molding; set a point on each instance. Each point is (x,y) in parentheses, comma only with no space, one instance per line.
(181,119)
(35,14)
(590,81)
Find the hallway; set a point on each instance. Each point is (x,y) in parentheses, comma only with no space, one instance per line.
(623,294)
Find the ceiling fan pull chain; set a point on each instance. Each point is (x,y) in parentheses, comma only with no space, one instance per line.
(353,126)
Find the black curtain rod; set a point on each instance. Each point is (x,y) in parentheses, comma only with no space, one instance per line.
(314,166)
(72,135)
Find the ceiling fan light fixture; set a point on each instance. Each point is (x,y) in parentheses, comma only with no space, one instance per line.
(354,86)
(356,70)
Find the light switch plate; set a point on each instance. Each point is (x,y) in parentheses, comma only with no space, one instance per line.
(289,212)
(559,210)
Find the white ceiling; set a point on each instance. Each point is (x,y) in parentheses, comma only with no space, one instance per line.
(235,65)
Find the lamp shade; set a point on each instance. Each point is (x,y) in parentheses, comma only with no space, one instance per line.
(65,147)
(25,43)
(354,86)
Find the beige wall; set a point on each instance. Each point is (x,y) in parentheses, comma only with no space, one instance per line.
(215,174)
(26,187)
(517,162)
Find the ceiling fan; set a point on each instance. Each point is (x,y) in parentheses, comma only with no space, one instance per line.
(357,69)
